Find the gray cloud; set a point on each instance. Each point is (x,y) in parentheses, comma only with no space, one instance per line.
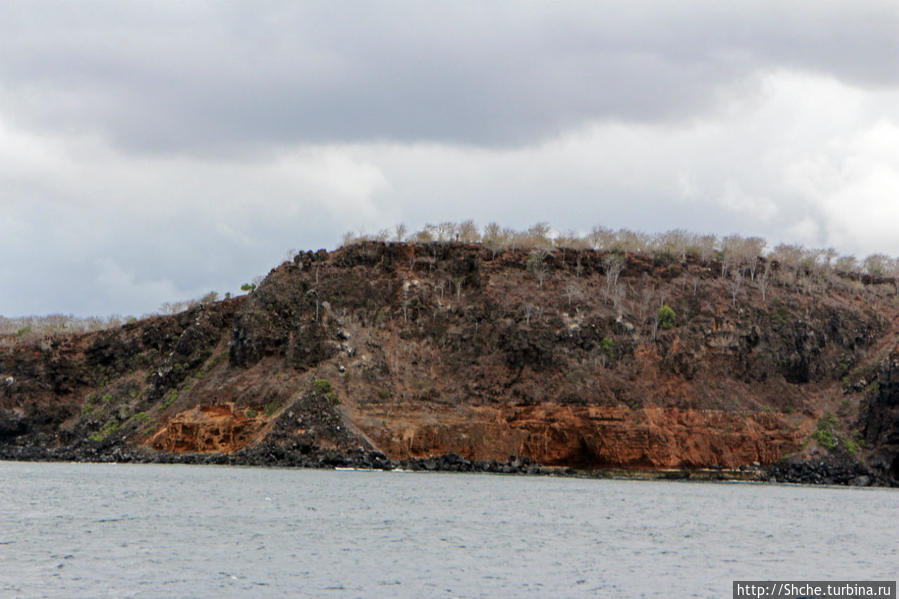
(207,77)
(151,152)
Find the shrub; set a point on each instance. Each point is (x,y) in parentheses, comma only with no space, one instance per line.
(667,317)
(170,397)
(607,347)
(322,386)
(272,407)
(109,428)
(825,434)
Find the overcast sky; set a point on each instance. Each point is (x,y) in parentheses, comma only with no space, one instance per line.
(154,151)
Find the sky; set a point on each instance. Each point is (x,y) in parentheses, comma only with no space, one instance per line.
(152,152)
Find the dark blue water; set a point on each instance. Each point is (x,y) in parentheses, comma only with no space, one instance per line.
(91,530)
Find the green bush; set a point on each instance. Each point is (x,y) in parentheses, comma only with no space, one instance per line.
(667,317)
(322,386)
(607,346)
(170,397)
(109,428)
(825,434)
(272,407)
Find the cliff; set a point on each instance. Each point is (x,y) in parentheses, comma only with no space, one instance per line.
(378,353)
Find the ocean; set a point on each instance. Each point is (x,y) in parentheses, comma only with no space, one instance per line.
(108,530)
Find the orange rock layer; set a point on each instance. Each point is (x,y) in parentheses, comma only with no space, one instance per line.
(589,436)
(207,428)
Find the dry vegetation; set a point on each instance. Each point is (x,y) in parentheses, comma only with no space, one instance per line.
(741,259)
(735,252)
(39,328)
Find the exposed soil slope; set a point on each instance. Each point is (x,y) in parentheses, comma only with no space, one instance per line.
(415,351)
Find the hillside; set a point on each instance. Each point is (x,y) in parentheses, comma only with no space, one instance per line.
(382,352)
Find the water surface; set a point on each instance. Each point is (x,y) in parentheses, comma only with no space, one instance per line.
(105,530)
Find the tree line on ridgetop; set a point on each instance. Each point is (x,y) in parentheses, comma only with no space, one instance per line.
(738,257)
(677,243)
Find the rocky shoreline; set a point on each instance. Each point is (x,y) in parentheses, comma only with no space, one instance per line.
(319,459)
(829,470)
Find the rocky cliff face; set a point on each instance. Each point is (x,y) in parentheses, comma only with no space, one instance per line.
(880,423)
(414,351)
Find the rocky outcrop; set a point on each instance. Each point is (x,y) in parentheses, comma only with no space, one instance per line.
(880,423)
(397,354)
(207,428)
(838,468)
(590,437)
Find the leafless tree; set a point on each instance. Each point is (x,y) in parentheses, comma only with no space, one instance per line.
(529,311)
(827,257)
(537,236)
(736,281)
(536,264)
(847,264)
(601,238)
(877,265)
(764,278)
(573,292)
(495,238)
(751,253)
(570,240)
(458,281)
(468,232)
(426,235)
(635,242)
(646,300)
(618,293)
(612,264)
(731,248)
(446,231)
(789,256)
(675,243)
(405,301)
(704,246)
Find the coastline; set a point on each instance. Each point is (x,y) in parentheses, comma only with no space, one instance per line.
(823,473)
